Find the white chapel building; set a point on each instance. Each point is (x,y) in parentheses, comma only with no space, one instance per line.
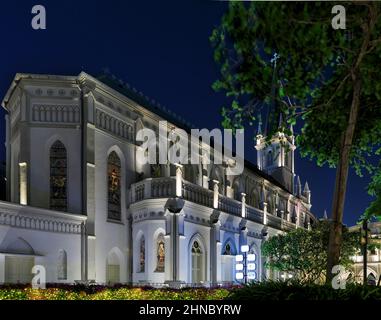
(82,204)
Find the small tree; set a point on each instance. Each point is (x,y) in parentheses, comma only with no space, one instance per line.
(304,252)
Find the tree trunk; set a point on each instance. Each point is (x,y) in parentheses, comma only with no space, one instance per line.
(335,236)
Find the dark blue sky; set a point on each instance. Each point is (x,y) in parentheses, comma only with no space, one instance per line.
(160,47)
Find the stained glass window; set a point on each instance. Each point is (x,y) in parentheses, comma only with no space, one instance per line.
(58,177)
(142,261)
(160,253)
(113,173)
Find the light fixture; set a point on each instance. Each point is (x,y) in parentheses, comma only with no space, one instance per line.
(251,275)
(239,266)
(251,257)
(239,258)
(239,275)
(245,248)
(251,266)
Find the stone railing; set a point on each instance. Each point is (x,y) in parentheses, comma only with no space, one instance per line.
(229,205)
(274,221)
(27,217)
(254,214)
(197,194)
(288,225)
(153,188)
(168,187)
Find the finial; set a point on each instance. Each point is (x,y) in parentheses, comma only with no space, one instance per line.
(259,130)
(306,188)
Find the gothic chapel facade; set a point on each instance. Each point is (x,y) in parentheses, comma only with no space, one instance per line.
(82,204)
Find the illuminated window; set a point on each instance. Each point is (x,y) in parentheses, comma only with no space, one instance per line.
(160,253)
(142,258)
(58,177)
(114,187)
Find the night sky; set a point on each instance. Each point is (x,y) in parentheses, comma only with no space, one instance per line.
(161,48)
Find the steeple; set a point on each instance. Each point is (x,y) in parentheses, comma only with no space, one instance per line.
(274,115)
(325,217)
(275,154)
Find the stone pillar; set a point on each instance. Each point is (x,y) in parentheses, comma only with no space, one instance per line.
(215,252)
(243,205)
(179,180)
(215,194)
(264,213)
(174,236)
(8,157)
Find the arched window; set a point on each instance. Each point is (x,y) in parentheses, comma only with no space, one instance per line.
(372,279)
(62,265)
(197,263)
(160,253)
(142,255)
(227,250)
(114,186)
(255,199)
(58,177)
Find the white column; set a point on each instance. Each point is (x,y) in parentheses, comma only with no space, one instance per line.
(264,213)
(243,205)
(215,194)
(179,180)
(23,183)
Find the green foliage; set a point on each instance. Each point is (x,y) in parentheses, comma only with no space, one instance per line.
(107,293)
(374,189)
(315,70)
(276,291)
(304,252)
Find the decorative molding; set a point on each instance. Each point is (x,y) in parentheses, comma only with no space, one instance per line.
(114,126)
(14,219)
(55,113)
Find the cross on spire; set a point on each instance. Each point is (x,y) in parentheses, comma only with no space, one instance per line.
(274,59)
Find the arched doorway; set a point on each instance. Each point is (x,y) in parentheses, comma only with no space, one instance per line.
(112,268)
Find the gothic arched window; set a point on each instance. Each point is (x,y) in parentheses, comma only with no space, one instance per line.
(114,186)
(142,255)
(160,253)
(58,177)
(227,250)
(197,263)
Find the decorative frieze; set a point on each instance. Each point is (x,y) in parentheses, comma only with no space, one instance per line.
(114,126)
(55,113)
(14,219)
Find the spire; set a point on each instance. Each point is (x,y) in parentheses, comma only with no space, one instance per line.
(325,217)
(306,188)
(273,109)
(280,120)
(298,186)
(259,130)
